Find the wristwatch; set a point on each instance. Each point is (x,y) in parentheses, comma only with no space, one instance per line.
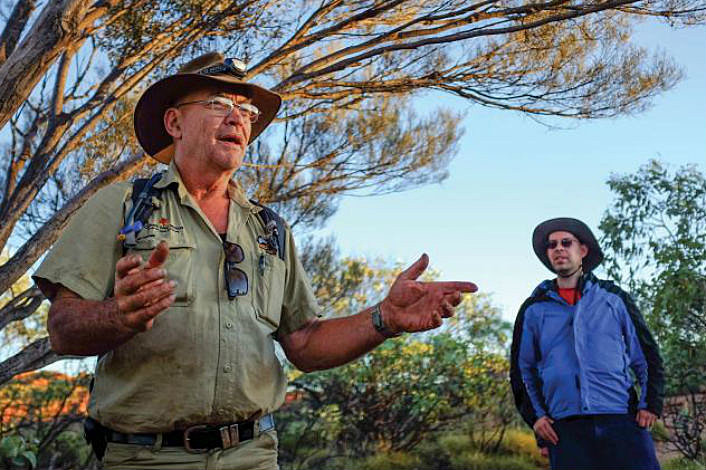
(380,326)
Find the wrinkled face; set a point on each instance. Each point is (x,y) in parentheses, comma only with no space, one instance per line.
(565,259)
(206,136)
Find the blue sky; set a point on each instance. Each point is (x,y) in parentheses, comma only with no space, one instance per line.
(511,173)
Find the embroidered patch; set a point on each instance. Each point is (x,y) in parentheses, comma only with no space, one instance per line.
(164,226)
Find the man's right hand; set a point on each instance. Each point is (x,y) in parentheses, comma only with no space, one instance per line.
(141,289)
(543,428)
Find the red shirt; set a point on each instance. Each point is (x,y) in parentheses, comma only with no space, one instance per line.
(571,295)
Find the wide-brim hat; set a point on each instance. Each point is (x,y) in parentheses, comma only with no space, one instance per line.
(578,229)
(208,70)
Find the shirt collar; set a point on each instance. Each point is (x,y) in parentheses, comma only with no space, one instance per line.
(235,191)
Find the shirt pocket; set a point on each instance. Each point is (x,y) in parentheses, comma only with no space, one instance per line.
(178,265)
(270,272)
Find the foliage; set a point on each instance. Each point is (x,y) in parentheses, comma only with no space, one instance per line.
(15,452)
(40,414)
(404,391)
(391,461)
(655,241)
(480,461)
(682,464)
(522,443)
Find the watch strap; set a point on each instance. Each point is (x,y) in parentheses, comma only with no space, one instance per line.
(380,325)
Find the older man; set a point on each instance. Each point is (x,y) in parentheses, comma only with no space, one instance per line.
(576,341)
(183,307)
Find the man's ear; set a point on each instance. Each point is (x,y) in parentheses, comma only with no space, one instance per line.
(583,250)
(172,122)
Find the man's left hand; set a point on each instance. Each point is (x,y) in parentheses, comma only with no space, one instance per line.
(412,305)
(645,419)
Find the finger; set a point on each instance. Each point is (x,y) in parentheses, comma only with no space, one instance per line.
(158,255)
(143,318)
(126,264)
(449,287)
(447,310)
(436,320)
(543,433)
(553,438)
(417,268)
(132,283)
(454,298)
(133,302)
(150,285)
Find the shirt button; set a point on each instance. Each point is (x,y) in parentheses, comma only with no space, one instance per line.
(226,368)
(229,324)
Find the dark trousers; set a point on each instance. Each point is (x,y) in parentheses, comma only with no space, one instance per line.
(602,441)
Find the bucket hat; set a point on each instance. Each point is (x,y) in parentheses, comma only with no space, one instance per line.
(578,229)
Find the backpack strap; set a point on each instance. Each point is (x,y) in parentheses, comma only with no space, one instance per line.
(273,224)
(143,191)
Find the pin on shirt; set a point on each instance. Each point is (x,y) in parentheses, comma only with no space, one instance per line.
(269,241)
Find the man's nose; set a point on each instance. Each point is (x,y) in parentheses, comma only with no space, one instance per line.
(235,116)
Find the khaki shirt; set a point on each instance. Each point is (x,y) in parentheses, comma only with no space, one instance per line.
(207,359)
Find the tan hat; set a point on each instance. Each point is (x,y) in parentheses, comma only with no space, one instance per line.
(204,71)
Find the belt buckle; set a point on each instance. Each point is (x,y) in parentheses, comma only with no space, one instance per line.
(187,439)
(230,436)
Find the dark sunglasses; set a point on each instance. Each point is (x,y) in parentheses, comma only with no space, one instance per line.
(236,279)
(565,242)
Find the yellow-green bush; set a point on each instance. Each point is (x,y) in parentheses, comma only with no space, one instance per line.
(681,464)
(522,443)
(391,461)
(659,432)
(454,444)
(478,461)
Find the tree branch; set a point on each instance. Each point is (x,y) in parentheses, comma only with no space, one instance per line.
(21,306)
(300,75)
(37,354)
(56,29)
(14,27)
(43,239)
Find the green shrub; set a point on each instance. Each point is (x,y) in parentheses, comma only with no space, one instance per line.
(454,444)
(391,461)
(682,464)
(478,461)
(521,442)
(659,432)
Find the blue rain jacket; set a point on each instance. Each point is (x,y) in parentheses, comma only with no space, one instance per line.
(580,359)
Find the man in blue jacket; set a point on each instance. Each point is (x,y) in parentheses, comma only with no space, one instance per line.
(579,345)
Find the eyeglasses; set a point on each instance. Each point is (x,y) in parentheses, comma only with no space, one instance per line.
(236,279)
(565,242)
(223,106)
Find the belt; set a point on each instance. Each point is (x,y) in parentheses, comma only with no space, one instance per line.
(201,437)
